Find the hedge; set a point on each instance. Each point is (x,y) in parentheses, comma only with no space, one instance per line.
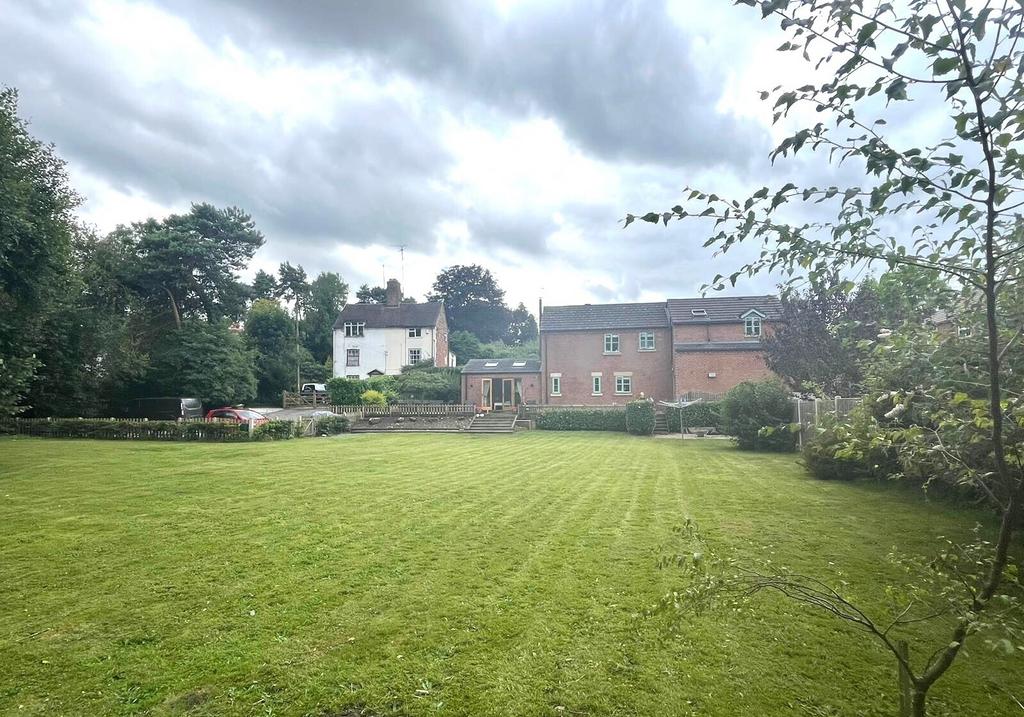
(585,419)
(131,430)
(640,417)
(274,431)
(703,414)
(757,414)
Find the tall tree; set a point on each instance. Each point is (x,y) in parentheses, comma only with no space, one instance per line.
(205,361)
(36,226)
(264,286)
(188,263)
(293,286)
(473,301)
(271,335)
(371,295)
(966,191)
(522,327)
(327,296)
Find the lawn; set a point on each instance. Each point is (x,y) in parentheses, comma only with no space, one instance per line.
(437,575)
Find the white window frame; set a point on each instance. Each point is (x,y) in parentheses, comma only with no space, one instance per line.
(354,329)
(610,341)
(964,332)
(596,384)
(640,341)
(625,379)
(349,355)
(419,356)
(752,326)
(415,333)
(556,384)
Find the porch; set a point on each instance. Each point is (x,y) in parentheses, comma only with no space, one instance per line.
(501,384)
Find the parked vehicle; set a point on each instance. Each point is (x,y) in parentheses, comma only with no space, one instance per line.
(164,408)
(236,415)
(308,388)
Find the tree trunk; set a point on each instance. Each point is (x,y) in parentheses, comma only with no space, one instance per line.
(906,685)
(917,704)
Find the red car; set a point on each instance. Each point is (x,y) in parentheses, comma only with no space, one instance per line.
(236,415)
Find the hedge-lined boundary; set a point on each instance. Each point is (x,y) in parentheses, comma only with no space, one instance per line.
(703,414)
(582,419)
(220,431)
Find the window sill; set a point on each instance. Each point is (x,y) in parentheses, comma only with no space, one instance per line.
(555,395)
(646,351)
(623,394)
(612,353)
(597,394)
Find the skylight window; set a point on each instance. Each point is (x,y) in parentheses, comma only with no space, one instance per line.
(518,364)
(490,364)
(699,312)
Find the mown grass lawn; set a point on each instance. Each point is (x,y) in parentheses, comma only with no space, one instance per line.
(437,575)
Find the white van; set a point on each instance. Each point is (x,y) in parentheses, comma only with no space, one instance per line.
(308,388)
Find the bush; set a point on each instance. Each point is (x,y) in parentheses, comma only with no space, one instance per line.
(274,431)
(429,384)
(346,391)
(372,398)
(826,452)
(640,417)
(758,416)
(703,414)
(387,385)
(331,425)
(595,419)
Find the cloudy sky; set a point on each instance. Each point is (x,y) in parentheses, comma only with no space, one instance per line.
(514,134)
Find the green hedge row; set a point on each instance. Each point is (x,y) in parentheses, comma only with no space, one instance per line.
(166,430)
(582,419)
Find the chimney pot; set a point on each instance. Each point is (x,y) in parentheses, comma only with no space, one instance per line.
(393,293)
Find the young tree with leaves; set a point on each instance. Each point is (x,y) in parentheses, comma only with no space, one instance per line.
(966,189)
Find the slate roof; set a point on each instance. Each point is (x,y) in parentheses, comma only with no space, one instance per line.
(504,365)
(701,346)
(381,316)
(722,309)
(604,316)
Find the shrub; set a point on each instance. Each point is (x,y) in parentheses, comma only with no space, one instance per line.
(372,398)
(640,417)
(387,385)
(274,431)
(827,452)
(429,384)
(132,430)
(331,425)
(758,416)
(596,419)
(703,414)
(346,391)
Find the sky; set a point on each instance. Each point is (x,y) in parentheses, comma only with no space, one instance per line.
(512,134)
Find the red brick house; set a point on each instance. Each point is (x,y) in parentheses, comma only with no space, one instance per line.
(602,354)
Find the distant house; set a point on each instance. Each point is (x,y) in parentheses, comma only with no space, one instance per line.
(501,384)
(379,339)
(601,354)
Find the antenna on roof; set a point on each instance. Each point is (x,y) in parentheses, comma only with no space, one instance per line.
(401,252)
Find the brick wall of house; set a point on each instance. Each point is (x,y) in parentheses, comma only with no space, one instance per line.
(714,332)
(576,355)
(441,341)
(730,368)
(472,387)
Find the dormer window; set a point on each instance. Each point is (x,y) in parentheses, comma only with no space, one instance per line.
(354,329)
(752,324)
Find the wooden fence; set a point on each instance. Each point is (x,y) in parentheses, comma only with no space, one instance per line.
(290,399)
(807,412)
(407,409)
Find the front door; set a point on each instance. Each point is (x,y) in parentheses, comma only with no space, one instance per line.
(486,396)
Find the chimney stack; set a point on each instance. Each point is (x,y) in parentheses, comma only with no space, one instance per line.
(393,293)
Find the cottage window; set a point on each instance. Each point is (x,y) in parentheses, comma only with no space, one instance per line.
(596,384)
(556,384)
(352,377)
(623,384)
(415,355)
(415,333)
(964,332)
(354,329)
(752,326)
(647,341)
(352,357)
(611,343)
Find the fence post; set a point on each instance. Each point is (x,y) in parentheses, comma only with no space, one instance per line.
(799,421)
(250,428)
